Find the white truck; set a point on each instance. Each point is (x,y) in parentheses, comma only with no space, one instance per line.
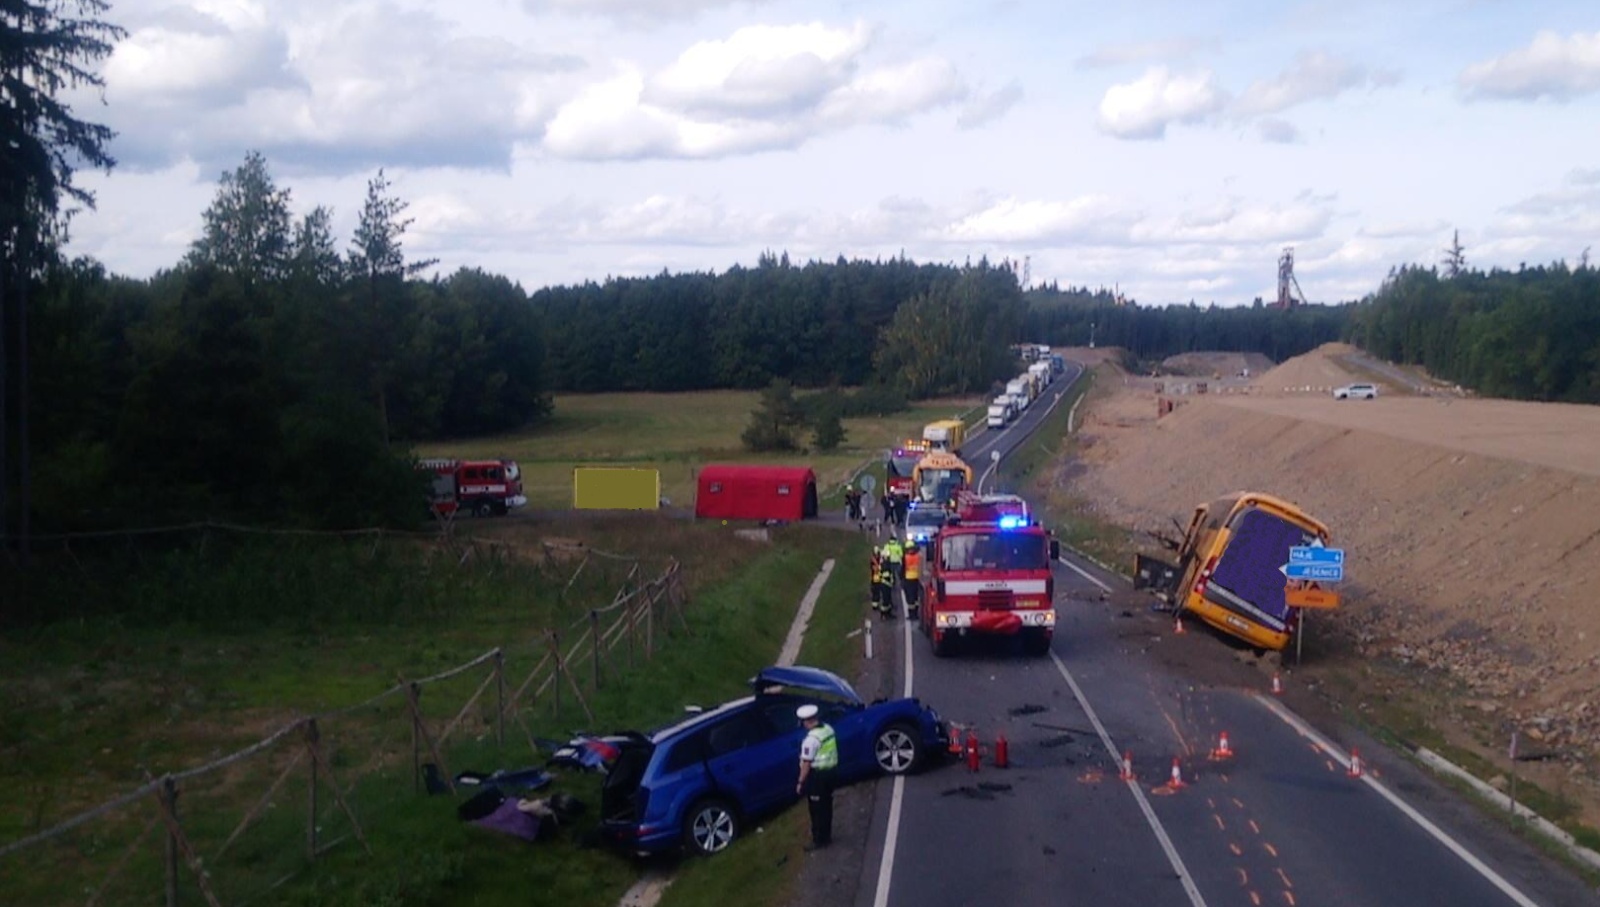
(1018,390)
(999,415)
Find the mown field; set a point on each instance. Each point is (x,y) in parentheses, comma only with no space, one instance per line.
(677,433)
(184,650)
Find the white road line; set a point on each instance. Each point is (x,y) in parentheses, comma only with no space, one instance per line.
(1082,572)
(1455,847)
(892,838)
(1160,831)
(802,617)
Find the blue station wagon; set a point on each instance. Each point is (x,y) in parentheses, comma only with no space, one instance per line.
(696,783)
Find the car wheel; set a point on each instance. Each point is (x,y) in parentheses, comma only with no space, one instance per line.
(897,749)
(710,827)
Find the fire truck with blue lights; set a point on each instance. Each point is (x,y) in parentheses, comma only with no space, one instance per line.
(988,573)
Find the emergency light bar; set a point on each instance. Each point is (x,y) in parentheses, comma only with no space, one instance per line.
(1013,522)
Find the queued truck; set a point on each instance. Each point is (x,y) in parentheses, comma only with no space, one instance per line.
(989,574)
(1017,390)
(1228,573)
(946,435)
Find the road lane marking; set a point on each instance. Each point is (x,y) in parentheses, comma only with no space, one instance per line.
(1176,861)
(1083,573)
(1439,834)
(896,799)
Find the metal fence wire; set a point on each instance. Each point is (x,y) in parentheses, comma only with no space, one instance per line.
(232,831)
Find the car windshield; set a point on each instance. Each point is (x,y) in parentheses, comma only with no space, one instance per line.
(995,551)
(924,517)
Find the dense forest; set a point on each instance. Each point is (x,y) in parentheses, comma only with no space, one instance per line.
(1075,317)
(1531,334)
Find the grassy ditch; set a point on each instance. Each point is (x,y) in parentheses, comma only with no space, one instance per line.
(91,706)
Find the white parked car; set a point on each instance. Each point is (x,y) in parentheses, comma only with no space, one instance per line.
(1356,392)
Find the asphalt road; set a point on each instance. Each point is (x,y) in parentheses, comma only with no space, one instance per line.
(1280,822)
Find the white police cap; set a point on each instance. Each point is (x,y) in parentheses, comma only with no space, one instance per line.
(806,712)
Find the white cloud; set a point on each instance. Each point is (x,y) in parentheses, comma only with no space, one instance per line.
(1313,76)
(634,12)
(1010,220)
(1170,50)
(1143,109)
(1554,66)
(764,88)
(761,70)
(1404,229)
(1303,219)
(1281,132)
(983,109)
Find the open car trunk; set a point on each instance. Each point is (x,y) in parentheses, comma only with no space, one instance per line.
(621,797)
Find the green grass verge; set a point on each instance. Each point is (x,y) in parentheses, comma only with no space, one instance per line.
(676,434)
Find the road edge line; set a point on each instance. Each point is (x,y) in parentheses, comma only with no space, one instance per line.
(891,838)
(1306,730)
(1500,799)
(1160,831)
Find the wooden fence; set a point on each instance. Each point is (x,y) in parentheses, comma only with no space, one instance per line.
(104,854)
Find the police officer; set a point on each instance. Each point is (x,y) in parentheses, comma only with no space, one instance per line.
(913,579)
(819,760)
(894,555)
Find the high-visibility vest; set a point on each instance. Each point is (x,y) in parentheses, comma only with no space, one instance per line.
(913,565)
(892,552)
(827,748)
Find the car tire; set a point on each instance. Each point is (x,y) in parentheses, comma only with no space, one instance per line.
(709,827)
(483,509)
(897,749)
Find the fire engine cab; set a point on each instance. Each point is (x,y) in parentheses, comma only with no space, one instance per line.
(988,573)
(483,487)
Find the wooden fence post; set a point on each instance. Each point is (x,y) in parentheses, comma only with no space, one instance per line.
(312,742)
(416,736)
(555,687)
(169,809)
(499,699)
(594,633)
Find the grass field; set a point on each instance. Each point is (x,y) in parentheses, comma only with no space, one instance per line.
(676,434)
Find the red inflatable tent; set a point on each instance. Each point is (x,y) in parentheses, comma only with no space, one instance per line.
(756,492)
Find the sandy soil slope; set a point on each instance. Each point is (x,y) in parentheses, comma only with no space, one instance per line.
(1472,527)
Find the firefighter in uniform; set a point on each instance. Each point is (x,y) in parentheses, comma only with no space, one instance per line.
(883,586)
(819,761)
(876,575)
(913,579)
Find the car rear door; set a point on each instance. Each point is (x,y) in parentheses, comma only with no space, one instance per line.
(753,761)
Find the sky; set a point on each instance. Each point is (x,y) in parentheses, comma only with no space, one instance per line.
(1169,148)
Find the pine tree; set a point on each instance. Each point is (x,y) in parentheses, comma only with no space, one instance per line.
(772,425)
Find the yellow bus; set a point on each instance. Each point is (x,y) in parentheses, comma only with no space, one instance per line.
(938,476)
(1228,566)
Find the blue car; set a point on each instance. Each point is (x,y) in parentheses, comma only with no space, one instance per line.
(695,784)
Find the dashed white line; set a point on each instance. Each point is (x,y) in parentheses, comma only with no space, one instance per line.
(1083,573)
(1455,847)
(892,838)
(1160,830)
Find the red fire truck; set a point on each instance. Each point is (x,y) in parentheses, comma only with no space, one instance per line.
(484,487)
(988,573)
(899,464)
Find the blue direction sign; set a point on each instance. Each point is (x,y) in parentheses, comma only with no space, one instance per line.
(1315,554)
(1326,573)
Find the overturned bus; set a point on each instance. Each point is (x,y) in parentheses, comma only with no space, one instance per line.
(1228,571)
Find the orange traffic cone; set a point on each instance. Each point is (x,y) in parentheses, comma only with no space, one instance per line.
(1277,684)
(955,740)
(1177,625)
(1002,752)
(1177,774)
(1127,765)
(1223,750)
(974,759)
(1355,763)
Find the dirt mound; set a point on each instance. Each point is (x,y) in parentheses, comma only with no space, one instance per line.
(1315,372)
(1215,364)
(1470,526)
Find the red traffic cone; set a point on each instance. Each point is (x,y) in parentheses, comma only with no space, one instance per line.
(1223,750)
(1177,774)
(1177,625)
(1355,763)
(1277,684)
(974,759)
(1002,752)
(1127,765)
(955,740)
